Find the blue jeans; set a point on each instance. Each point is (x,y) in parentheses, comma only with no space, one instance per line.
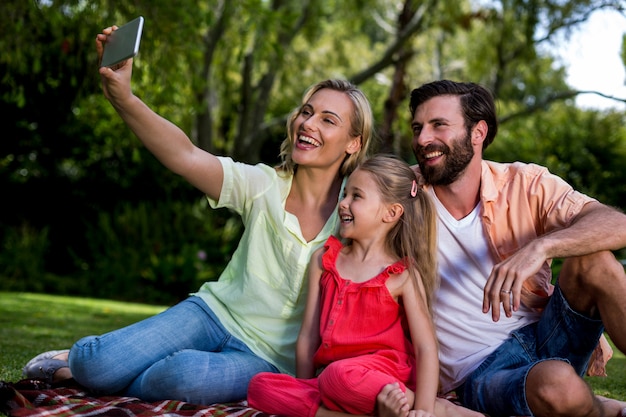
(183,353)
(497,387)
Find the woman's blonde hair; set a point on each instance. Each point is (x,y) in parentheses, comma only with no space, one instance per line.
(361,118)
(414,237)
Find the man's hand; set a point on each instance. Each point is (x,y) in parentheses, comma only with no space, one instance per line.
(504,285)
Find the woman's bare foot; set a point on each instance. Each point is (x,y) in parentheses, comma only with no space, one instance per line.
(63,356)
(64,372)
(446,408)
(612,407)
(392,402)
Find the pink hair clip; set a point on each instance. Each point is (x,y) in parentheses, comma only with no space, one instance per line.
(414,189)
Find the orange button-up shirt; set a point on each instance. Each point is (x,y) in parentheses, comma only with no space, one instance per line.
(520,203)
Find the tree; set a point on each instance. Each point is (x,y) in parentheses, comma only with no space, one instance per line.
(585,147)
(229,72)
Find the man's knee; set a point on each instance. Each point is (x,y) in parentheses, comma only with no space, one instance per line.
(589,269)
(586,279)
(554,388)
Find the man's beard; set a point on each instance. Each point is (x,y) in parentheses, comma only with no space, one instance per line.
(457,159)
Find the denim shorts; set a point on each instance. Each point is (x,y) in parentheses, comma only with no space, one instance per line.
(497,386)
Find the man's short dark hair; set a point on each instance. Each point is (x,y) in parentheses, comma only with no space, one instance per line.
(477,103)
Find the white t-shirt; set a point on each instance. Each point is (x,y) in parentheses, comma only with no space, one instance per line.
(466,335)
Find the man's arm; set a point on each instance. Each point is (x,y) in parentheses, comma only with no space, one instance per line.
(596,228)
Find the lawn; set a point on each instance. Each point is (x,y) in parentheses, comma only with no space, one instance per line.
(33,323)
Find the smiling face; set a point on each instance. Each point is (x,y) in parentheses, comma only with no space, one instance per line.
(442,144)
(361,209)
(322,131)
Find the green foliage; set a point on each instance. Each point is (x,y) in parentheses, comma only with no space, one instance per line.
(156,253)
(586,148)
(228,73)
(22,252)
(148,252)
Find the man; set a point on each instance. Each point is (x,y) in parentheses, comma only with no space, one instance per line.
(511,344)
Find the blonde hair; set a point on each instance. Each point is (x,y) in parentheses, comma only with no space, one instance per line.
(414,237)
(361,119)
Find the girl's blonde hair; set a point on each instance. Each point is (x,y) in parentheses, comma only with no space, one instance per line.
(414,237)
(361,118)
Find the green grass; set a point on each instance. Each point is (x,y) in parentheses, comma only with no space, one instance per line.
(34,323)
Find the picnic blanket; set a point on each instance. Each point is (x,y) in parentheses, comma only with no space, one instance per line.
(35,398)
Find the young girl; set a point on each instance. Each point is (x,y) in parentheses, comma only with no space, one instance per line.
(367,322)
(205,349)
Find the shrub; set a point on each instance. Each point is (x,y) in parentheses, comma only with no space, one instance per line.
(153,252)
(157,252)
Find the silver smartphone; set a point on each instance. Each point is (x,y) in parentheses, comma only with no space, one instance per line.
(122,43)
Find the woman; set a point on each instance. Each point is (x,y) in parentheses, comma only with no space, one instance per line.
(205,349)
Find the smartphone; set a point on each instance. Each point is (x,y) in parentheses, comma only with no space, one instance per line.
(122,43)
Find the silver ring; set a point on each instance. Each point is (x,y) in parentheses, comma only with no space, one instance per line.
(505,291)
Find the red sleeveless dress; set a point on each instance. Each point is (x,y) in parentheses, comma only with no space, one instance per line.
(364,346)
